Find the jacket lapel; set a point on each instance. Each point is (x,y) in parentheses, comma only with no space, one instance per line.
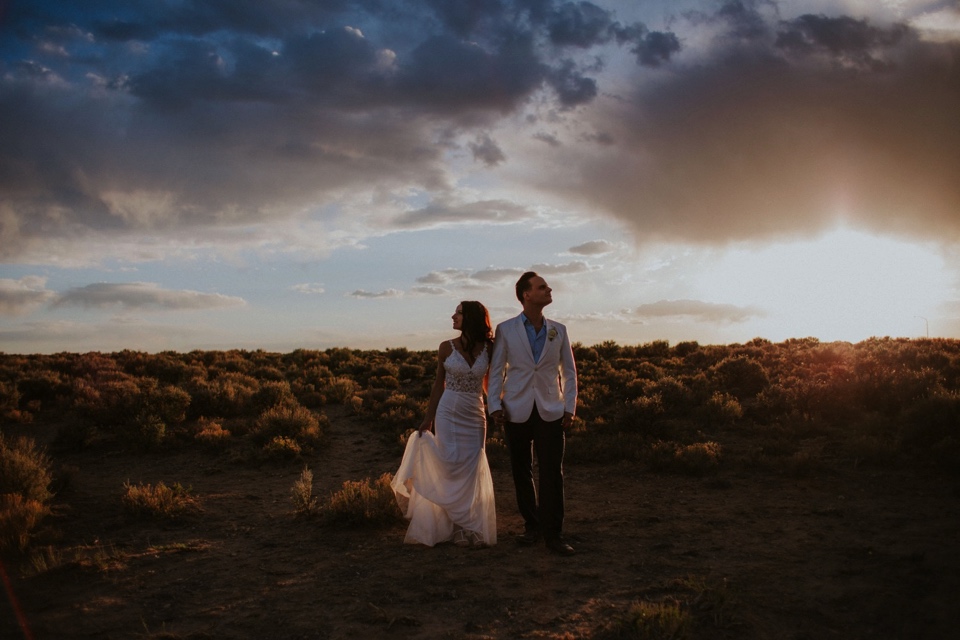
(547,343)
(522,337)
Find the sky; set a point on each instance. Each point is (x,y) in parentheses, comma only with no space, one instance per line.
(287,174)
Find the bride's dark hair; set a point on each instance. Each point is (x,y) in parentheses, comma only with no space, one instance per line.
(476,325)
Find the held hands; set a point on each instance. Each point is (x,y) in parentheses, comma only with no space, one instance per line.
(497,418)
(567,420)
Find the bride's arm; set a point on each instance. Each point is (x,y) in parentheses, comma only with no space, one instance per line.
(438,384)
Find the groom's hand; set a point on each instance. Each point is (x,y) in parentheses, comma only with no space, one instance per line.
(497,418)
(567,420)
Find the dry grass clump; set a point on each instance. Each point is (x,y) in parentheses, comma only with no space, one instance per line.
(24,491)
(686,608)
(304,503)
(159,501)
(24,469)
(282,448)
(697,459)
(211,433)
(19,518)
(363,502)
(657,621)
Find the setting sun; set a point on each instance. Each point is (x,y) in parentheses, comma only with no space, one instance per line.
(845,285)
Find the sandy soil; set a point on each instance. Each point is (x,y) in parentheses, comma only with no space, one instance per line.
(844,552)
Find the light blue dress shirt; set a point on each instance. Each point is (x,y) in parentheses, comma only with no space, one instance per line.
(537,338)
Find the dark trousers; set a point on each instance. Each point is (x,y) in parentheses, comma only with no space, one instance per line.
(547,439)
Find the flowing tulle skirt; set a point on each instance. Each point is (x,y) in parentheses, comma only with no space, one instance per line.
(444,481)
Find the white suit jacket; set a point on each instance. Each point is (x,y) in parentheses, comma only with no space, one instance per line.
(516,381)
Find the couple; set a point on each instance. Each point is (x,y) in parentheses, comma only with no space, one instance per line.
(444,485)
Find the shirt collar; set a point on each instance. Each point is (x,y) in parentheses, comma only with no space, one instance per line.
(527,322)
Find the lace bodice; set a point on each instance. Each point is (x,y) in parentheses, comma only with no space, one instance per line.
(461,376)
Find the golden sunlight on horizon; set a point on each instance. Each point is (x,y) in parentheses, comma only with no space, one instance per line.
(844,285)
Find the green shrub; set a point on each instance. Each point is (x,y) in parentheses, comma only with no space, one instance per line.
(294,422)
(271,394)
(722,409)
(228,395)
(741,376)
(338,390)
(9,398)
(698,459)
(640,413)
(931,420)
(149,432)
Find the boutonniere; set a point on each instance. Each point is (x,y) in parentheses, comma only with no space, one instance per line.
(551,334)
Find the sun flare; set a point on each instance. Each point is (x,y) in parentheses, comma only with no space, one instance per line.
(845,285)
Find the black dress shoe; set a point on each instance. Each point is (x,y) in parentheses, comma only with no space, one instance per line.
(528,538)
(560,547)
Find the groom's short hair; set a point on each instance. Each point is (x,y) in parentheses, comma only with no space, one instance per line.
(523,284)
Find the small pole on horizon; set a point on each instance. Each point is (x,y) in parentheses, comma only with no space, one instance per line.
(926,323)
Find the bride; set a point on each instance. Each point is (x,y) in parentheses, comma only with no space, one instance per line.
(443,485)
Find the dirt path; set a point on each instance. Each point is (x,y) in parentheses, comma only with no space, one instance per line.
(842,553)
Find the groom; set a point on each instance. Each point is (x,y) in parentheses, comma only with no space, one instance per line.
(532,394)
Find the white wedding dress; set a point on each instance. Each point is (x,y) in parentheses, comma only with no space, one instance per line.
(444,481)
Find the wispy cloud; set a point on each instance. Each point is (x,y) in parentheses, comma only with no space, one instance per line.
(20,297)
(386,293)
(697,310)
(489,211)
(593,248)
(144,296)
(310,288)
(577,266)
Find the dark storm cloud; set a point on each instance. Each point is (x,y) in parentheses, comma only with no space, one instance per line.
(845,40)
(580,24)
(135,117)
(782,127)
(655,49)
(487,151)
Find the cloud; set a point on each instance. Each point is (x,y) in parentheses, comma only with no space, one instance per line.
(772,128)
(310,288)
(593,248)
(465,279)
(496,275)
(429,290)
(144,296)
(20,297)
(444,213)
(205,120)
(697,310)
(486,151)
(577,266)
(371,295)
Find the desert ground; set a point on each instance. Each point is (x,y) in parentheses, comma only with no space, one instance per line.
(842,551)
